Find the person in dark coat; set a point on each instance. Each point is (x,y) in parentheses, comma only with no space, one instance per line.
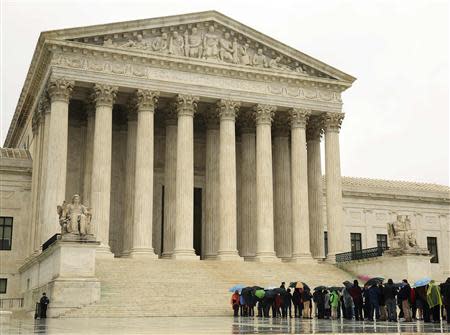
(404,296)
(390,292)
(374,302)
(43,305)
(319,300)
(296,301)
(366,302)
(421,299)
(445,292)
(287,303)
(356,293)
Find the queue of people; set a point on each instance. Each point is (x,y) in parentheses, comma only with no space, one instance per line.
(375,300)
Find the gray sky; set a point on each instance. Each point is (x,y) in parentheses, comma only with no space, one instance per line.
(397,112)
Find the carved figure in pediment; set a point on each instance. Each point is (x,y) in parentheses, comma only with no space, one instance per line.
(235,47)
(259,60)
(274,63)
(74,218)
(193,43)
(226,50)
(299,69)
(176,44)
(139,43)
(161,44)
(108,42)
(211,44)
(243,55)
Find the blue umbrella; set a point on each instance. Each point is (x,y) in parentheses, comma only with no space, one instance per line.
(237,287)
(422,282)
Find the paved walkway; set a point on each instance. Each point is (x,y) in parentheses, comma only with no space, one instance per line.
(212,325)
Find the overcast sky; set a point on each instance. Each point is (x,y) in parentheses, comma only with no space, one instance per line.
(397,112)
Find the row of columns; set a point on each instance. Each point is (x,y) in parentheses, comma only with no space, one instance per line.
(296,192)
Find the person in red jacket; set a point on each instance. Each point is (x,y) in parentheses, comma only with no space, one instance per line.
(235,302)
(356,294)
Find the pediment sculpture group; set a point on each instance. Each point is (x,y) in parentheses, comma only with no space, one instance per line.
(208,46)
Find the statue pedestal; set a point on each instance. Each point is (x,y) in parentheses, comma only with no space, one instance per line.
(66,272)
(411,266)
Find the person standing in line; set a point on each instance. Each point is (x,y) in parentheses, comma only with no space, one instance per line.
(421,298)
(44,304)
(306,298)
(445,291)
(327,304)
(296,300)
(347,303)
(434,300)
(287,303)
(404,296)
(383,314)
(356,293)
(235,299)
(390,292)
(413,302)
(374,302)
(334,303)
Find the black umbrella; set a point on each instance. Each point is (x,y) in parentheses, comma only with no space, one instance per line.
(335,288)
(270,294)
(306,287)
(320,288)
(292,284)
(374,281)
(257,288)
(247,291)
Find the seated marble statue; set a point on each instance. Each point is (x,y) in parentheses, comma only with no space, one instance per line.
(400,234)
(74,218)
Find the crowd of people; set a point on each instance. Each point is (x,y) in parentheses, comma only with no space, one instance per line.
(375,300)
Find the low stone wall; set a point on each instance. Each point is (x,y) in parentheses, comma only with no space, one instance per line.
(411,267)
(66,272)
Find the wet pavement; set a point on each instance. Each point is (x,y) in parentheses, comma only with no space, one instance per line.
(213,325)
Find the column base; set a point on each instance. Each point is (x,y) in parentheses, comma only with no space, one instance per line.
(211,257)
(166,255)
(331,258)
(185,255)
(143,253)
(301,258)
(231,256)
(125,254)
(265,257)
(104,251)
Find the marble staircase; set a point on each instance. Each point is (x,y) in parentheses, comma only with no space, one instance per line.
(140,288)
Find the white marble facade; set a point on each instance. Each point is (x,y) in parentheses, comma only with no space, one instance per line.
(134,116)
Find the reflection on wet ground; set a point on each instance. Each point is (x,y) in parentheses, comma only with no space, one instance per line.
(213,325)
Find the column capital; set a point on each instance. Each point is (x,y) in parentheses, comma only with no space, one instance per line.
(60,89)
(332,121)
(280,126)
(264,113)
(299,117)
(171,114)
(36,121)
(132,109)
(104,95)
(186,104)
(44,103)
(314,129)
(228,109)
(146,100)
(211,117)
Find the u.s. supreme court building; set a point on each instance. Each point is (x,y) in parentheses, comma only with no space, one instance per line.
(192,137)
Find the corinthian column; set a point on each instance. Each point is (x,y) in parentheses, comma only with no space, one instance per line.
(103,97)
(282,187)
(227,110)
(184,231)
(90,114)
(248,187)
(212,198)
(59,91)
(143,189)
(315,188)
(332,124)
(170,173)
(130,178)
(264,185)
(300,213)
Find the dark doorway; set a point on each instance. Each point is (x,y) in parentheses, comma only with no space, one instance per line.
(198,221)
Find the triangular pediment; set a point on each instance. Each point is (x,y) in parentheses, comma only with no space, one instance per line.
(207,36)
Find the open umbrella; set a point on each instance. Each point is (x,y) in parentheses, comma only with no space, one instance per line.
(292,284)
(260,293)
(299,284)
(422,282)
(306,287)
(347,284)
(247,291)
(374,281)
(257,288)
(237,287)
(335,288)
(364,277)
(320,288)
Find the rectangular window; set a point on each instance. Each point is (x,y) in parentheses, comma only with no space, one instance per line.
(355,239)
(3,283)
(433,249)
(5,232)
(382,241)
(325,241)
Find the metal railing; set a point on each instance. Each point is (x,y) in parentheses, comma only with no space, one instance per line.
(360,254)
(11,303)
(50,241)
